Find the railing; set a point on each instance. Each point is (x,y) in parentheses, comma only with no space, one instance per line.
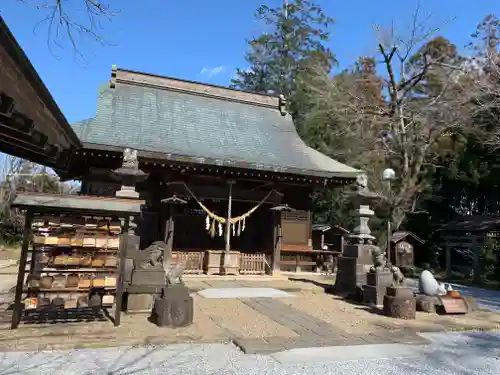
(192,261)
(252,264)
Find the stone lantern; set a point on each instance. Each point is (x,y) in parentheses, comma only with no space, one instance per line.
(356,259)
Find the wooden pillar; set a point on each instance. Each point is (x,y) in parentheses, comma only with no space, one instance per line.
(121,271)
(169,237)
(276,267)
(17,310)
(172,202)
(228,219)
(227,264)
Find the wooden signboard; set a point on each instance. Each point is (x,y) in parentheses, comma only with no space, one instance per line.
(454,305)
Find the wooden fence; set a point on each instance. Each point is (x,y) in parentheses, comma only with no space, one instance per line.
(252,264)
(192,261)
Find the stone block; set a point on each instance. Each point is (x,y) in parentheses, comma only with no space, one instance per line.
(148,277)
(426,303)
(175,309)
(177,291)
(350,275)
(145,289)
(140,303)
(380,279)
(373,295)
(376,287)
(398,291)
(401,308)
(358,251)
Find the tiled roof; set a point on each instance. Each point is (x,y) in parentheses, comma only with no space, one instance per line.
(210,125)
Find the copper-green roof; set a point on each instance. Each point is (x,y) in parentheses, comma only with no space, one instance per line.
(209,125)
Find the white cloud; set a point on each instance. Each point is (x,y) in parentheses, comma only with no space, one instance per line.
(210,72)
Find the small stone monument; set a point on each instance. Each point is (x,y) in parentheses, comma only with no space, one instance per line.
(175,307)
(356,259)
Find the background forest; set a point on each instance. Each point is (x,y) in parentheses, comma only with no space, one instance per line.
(417,106)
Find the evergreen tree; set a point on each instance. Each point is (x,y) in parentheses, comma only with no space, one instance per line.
(278,58)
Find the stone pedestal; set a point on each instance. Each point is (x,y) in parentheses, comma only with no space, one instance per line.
(400,307)
(351,269)
(148,277)
(175,308)
(376,287)
(145,284)
(140,303)
(127,192)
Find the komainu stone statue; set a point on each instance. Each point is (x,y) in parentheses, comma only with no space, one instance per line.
(151,257)
(130,159)
(174,274)
(378,257)
(397,276)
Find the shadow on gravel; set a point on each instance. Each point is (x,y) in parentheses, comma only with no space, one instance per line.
(110,361)
(470,347)
(327,287)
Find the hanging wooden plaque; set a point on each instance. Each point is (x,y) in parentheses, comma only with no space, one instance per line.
(454,305)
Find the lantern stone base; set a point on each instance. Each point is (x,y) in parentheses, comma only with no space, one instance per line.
(127,192)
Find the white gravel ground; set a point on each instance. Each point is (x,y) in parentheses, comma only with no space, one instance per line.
(450,354)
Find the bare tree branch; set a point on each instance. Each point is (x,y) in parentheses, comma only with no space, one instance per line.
(404,128)
(72,21)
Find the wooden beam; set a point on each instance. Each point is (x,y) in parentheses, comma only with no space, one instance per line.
(220,193)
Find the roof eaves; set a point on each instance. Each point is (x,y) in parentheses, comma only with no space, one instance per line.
(27,69)
(228,163)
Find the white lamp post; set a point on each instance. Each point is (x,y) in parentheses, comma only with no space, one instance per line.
(388,175)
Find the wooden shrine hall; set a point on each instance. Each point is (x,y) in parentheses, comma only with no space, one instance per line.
(231,161)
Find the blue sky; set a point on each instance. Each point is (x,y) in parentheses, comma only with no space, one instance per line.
(205,40)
